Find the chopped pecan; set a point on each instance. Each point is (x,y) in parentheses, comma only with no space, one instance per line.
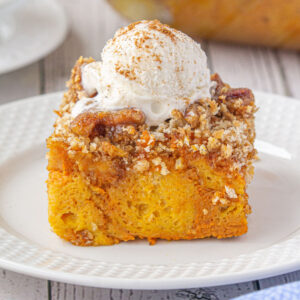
(223,89)
(241,93)
(92,123)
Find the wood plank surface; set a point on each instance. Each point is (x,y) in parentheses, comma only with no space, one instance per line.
(15,286)
(286,278)
(20,84)
(242,66)
(289,63)
(91,25)
(61,291)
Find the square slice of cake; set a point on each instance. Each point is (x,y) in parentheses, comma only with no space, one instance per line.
(148,145)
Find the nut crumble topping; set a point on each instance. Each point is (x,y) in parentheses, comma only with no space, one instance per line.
(221,129)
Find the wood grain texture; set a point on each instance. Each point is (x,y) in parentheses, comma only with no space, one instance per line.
(20,84)
(290,277)
(92,22)
(289,63)
(15,286)
(242,66)
(62,291)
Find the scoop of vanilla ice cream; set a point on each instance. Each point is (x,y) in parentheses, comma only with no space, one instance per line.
(148,66)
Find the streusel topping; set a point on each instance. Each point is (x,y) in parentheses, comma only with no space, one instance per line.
(220,129)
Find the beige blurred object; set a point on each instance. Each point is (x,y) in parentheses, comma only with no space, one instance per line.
(274,23)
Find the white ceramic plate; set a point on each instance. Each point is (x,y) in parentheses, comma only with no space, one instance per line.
(271,246)
(39,26)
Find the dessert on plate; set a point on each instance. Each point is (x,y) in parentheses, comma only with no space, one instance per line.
(149,145)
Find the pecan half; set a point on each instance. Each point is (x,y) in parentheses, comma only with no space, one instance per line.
(241,93)
(92,123)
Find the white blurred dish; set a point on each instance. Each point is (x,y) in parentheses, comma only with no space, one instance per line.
(7,19)
(30,31)
(6,5)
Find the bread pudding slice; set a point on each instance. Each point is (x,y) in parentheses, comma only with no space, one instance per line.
(113,177)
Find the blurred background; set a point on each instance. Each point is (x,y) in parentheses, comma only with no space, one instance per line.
(265,22)
(236,35)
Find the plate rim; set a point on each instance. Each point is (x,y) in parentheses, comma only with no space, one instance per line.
(148,284)
(163,282)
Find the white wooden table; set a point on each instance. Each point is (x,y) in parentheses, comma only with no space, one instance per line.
(92,22)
